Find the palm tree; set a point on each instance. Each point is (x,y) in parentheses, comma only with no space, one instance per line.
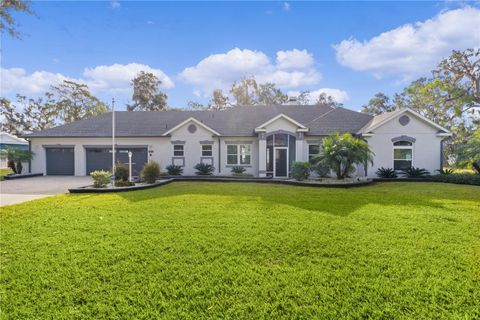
(341,152)
(16,157)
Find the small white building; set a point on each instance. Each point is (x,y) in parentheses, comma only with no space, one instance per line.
(265,140)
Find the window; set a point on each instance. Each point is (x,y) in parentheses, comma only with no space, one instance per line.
(313,151)
(245,153)
(239,154)
(207,150)
(178,150)
(402,155)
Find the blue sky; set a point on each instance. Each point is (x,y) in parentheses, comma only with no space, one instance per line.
(350,50)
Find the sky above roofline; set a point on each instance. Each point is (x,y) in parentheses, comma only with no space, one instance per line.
(349,50)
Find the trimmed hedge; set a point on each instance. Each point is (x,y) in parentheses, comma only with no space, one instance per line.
(458,178)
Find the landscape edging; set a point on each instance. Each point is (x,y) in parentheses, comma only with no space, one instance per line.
(211,179)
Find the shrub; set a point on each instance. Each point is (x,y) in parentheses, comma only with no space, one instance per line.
(321,168)
(204,169)
(121,171)
(458,178)
(174,170)
(341,152)
(151,172)
(413,172)
(446,171)
(300,170)
(386,173)
(123,183)
(100,178)
(238,170)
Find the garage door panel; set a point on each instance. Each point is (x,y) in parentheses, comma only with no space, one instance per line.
(101,158)
(60,161)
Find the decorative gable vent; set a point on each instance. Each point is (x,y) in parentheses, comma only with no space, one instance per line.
(404,120)
(192,128)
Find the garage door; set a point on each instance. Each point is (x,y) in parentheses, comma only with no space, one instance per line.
(101,158)
(60,161)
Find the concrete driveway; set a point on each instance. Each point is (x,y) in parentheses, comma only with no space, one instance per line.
(21,190)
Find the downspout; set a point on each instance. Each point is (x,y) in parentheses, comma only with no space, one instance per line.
(29,159)
(219,153)
(441,154)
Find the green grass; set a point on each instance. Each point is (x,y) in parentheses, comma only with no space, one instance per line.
(243,250)
(4,172)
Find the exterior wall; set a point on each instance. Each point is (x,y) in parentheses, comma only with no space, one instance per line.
(426,148)
(192,147)
(159,146)
(226,169)
(281,124)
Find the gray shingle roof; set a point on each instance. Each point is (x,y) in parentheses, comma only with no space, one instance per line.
(238,121)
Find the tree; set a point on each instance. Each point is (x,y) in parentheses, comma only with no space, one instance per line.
(38,114)
(219,101)
(303,98)
(380,103)
(324,99)
(146,93)
(16,157)
(75,102)
(247,92)
(66,103)
(341,152)
(194,105)
(463,67)
(7,23)
(244,92)
(12,120)
(469,153)
(268,94)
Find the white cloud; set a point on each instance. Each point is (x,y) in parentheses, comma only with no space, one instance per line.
(414,50)
(16,80)
(218,71)
(286,6)
(115,4)
(115,78)
(118,77)
(337,94)
(294,59)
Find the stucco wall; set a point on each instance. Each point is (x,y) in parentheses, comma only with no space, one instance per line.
(226,169)
(158,145)
(426,148)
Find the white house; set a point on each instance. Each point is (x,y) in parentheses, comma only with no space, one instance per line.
(264,140)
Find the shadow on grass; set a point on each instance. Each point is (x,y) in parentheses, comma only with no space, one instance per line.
(341,202)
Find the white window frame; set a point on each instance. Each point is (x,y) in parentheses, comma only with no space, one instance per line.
(238,154)
(410,147)
(208,151)
(183,150)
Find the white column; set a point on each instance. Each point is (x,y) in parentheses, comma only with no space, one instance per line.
(299,144)
(262,155)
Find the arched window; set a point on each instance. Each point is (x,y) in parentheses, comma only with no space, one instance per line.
(402,155)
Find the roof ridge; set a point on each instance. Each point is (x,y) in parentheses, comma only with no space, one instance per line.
(320,116)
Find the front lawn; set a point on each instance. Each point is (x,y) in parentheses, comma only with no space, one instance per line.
(4,172)
(244,250)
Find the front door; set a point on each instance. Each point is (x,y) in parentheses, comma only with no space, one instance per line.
(281,162)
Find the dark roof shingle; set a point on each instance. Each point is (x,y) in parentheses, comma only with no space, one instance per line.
(237,121)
